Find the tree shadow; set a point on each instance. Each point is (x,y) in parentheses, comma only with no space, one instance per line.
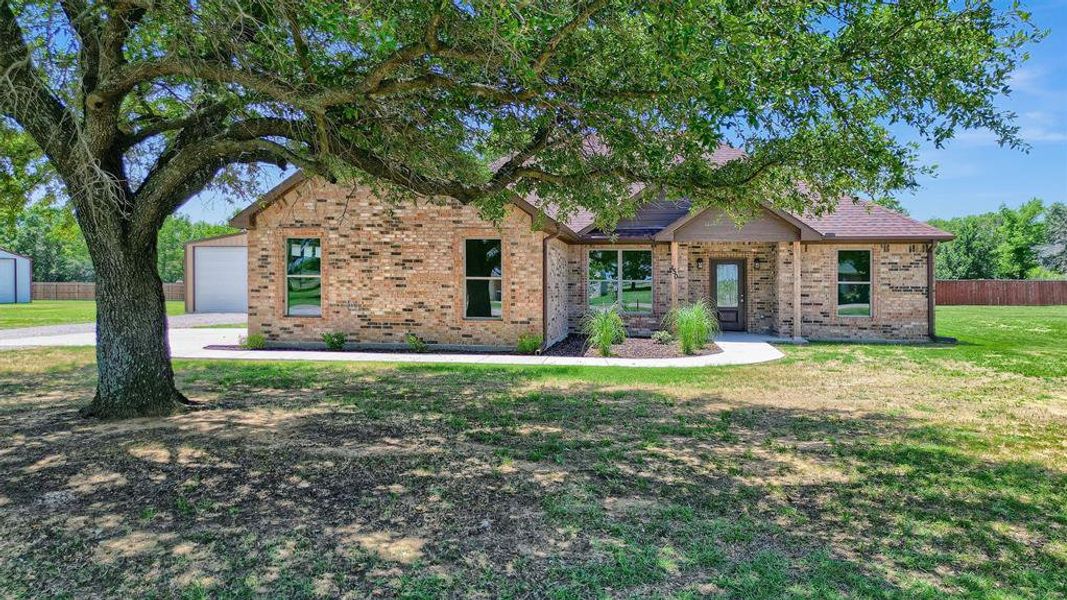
(431,481)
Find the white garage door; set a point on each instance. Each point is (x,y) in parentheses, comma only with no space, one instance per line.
(7,280)
(221,279)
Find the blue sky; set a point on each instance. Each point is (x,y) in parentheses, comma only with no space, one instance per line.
(975,175)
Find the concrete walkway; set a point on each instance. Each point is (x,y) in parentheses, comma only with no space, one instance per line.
(175,322)
(737,349)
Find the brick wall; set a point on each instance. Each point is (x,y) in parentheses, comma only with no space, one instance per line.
(899,288)
(557,292)
(390,270)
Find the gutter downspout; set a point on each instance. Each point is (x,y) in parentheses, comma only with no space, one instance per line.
(544,288)
(931,289)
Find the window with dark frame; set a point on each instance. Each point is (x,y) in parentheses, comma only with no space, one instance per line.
(483,279)
(853,283)
(303,277)
(622,278)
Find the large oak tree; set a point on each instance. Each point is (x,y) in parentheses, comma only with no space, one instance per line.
(141,104)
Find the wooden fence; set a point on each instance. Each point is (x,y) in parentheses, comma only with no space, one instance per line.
(48,290)
(1004,292)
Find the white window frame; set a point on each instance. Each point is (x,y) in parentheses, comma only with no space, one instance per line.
(483,278)
(619,281)
(869,283)
(288,276)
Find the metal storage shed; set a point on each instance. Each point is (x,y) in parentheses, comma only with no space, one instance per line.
(216,274)
(16,277)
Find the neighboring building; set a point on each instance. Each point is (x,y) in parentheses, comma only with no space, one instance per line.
(216,274)
(16,277)
(322,258)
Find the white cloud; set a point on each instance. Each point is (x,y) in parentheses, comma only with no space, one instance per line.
(1028,80)
(1035,127)
(1041,134)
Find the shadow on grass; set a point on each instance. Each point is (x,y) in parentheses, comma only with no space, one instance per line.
(432,481)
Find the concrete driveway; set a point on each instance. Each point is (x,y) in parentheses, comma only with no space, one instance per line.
(175,322)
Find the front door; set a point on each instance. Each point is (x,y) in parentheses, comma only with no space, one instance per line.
(728,293)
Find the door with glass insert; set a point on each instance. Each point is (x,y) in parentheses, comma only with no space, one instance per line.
(728,293)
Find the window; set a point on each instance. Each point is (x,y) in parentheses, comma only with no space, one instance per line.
(854,283)
(483,271)
(621,277)
(727,278)
(303,277)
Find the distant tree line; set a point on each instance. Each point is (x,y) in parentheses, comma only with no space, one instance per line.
(50,236)
(1028,242)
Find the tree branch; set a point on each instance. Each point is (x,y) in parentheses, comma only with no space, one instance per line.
(26,98)
(122,18)
(87,27)
(403,55)
(549,50)
(157,127)
(188,171)
(123,79)
(513,168)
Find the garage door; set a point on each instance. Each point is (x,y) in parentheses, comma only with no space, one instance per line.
(220,281)
(7,280)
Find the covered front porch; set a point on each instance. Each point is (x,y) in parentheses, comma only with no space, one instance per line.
(751,273)
(741,280)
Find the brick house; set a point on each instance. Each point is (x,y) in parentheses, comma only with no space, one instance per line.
(322,258)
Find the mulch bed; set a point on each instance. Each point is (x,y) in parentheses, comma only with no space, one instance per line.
(573,345)
(432,350)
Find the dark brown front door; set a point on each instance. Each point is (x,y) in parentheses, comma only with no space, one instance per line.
(728,293)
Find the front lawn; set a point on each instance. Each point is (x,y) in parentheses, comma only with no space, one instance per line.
(59,312)
(840,471)
(1027,340)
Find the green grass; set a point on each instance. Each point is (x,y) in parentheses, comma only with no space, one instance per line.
(59,312)
(1026,340)
(1029,340)
(841,471)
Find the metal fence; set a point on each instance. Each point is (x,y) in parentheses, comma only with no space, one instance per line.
(1001,292)
(75,290)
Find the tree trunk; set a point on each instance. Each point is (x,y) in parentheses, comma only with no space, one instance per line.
(132,351)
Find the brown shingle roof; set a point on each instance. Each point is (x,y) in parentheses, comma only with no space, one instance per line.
(865,220)
(650,216)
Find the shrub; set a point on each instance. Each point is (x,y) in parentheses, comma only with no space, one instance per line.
(604,328)
(334,341)
(693,325)
(529,343)
(415,343)
(255,341)
(662,337)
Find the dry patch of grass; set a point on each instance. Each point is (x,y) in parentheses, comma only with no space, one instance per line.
(830,473)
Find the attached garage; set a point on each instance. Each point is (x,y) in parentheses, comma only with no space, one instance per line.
(16,276)
(216,274)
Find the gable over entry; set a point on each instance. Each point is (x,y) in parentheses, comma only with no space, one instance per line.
(715,225)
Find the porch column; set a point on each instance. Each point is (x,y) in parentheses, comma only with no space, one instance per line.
(674,277)
(796,290)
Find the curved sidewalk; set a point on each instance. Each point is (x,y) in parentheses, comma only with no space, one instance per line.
(737,349)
